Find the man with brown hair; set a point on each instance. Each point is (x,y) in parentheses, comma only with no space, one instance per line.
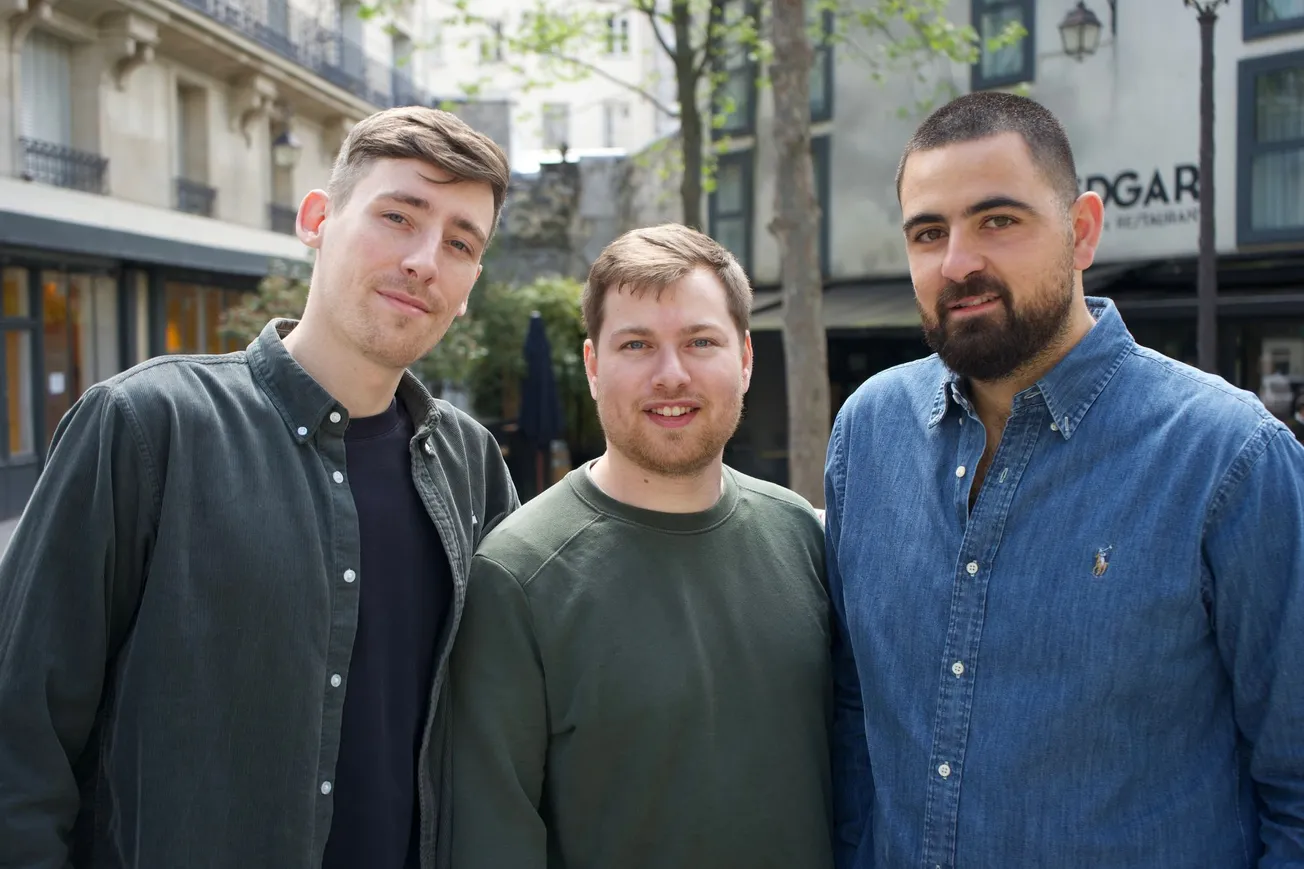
(226,614)
(642,679)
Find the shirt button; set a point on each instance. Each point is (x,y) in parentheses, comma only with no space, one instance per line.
(971,567)
(325,787)
(349,575)
(1054,427)
(430,448)
(301,431)
(944,771)
(335,680)
(959,472)
(335,416)
(337,477)
(957,668)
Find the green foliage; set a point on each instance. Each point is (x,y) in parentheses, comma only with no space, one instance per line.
(483,350)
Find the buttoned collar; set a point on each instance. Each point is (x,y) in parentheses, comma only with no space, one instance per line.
(304,405)
(1070,388)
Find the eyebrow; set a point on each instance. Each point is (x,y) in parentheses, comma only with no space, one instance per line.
(644,332)
(991,203)
(421,204)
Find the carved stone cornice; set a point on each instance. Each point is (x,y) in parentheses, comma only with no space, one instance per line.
(23,15)
(128,43)
(253,99)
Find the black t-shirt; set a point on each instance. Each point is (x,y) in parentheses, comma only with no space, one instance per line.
(405,587)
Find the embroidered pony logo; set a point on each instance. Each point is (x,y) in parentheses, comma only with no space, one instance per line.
(1101,563)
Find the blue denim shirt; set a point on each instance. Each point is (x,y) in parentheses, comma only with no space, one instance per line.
(1101,665)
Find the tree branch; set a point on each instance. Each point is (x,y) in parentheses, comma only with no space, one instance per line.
(709,44)
(650,10)
(603,74)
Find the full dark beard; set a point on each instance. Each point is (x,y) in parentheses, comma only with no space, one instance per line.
(992,348)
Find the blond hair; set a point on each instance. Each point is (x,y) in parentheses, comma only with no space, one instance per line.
(653,258)
(433,136)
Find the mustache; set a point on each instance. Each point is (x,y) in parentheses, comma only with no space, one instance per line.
(975,285)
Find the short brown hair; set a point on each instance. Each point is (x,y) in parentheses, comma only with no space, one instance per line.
(653,258)
(415,132)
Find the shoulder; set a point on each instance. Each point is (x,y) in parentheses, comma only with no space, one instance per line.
(909,388)
(778,507)
(533,534)
(1215,410)
(168,387)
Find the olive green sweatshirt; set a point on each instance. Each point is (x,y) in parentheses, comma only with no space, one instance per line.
(644,690)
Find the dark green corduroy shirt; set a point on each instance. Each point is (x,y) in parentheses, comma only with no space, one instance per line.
(177,612)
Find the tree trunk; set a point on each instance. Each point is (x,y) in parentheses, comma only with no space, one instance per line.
(796,226)
(1207,273)
(690,113)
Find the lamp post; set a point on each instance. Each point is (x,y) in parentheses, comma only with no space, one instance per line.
(1206,282)
(286,148)
(1080,33)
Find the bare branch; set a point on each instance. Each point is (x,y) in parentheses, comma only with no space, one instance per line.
(603,74)
(649,9)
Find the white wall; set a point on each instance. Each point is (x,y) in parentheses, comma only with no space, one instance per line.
(1131,107)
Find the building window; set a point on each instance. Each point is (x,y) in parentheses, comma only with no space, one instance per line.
(1268,17)
(47,89)
(614,112)
(556,126)
(736,97)
(1000,61)
(193,194)
(491,43)
(730,207)
(820,29)
(20,408)
(1270,155)
(617,34)
(194,318)
(820,154)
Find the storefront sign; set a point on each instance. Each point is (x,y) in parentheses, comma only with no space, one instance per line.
(1135,200)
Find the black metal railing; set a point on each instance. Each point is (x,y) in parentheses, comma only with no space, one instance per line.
(301,38)
(195,198)
(63,166)
(282,218)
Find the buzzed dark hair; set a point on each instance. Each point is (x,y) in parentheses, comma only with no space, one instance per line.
(982,114)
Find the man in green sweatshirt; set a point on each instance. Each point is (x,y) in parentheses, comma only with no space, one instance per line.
(642,676)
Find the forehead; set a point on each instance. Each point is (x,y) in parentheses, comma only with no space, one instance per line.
(954,176)
(698,297)
(418,178)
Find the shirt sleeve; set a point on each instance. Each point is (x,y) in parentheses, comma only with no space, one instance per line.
(852,783)
(1254,551)
(500,727)
(69,583)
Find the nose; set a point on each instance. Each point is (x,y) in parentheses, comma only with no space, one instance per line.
(421,260)
(961,259)
(671,375)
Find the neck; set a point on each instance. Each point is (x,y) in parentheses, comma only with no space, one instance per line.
(993,399)
(363,387)
(630,484)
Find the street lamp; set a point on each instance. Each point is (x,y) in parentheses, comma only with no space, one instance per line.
(1080,32)
(1206,281)
(286,148)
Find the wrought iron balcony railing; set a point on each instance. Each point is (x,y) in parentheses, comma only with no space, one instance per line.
(301,38)
(62,166)
(195,198)
(282,218)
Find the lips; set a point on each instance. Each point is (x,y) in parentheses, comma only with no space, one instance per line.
(974,301)
(672,414)
(407,301)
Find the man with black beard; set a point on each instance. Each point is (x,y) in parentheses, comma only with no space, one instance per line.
(1067,571)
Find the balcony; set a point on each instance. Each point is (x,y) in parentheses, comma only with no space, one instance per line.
(283,219)
(300,38)
(50,163)
(195,198)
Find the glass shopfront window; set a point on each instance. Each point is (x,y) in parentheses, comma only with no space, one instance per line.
(194,318)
